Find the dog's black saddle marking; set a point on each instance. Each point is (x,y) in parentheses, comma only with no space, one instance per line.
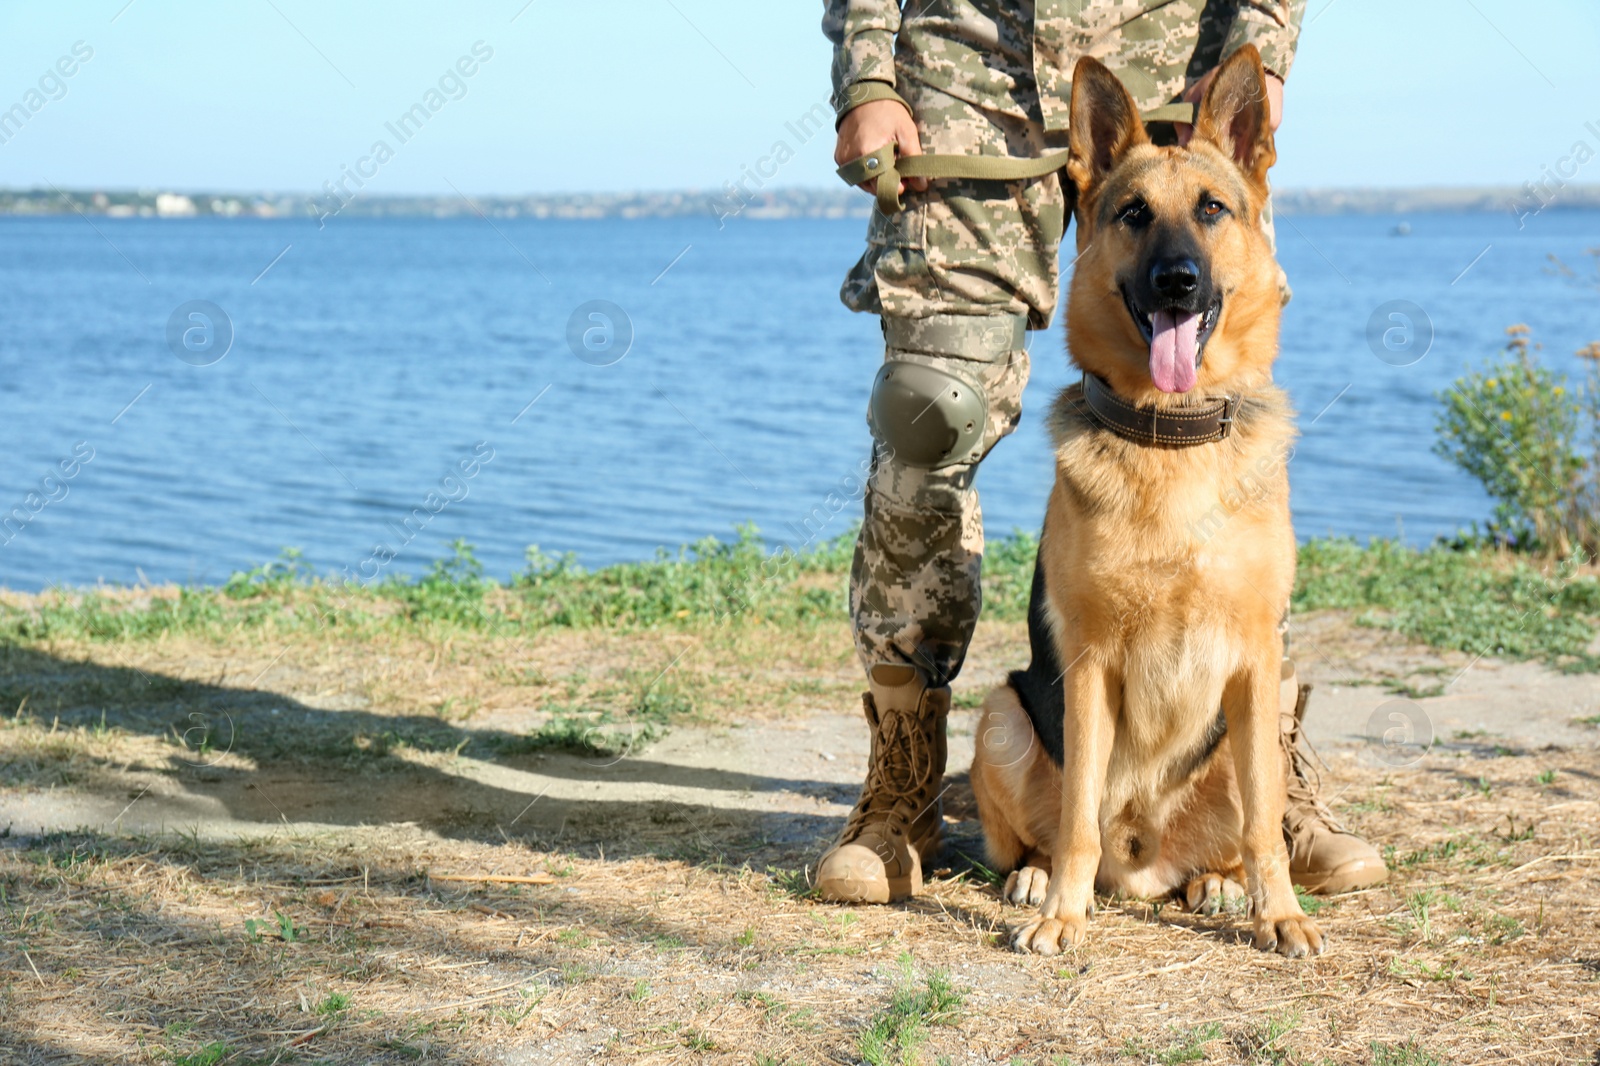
(1039,689)
(1039,686)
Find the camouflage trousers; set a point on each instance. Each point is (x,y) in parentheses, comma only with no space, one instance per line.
(985,251)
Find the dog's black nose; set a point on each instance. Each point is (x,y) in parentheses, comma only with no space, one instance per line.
(1175,279)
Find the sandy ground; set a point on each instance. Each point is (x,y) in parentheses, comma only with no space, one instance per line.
(665,916)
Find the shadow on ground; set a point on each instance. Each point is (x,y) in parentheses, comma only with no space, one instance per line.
(230,758)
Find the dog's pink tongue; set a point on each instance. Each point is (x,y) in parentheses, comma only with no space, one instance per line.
(1174,344)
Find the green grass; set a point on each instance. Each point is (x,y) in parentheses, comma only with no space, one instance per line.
(334,1003)
(1406,1054)
(709,582)
(209,1055)
(1186,1045)
(1467,851)
(603,731)
(1309,903)
(1470,599)
(1263,1042)
(1463,596)
(897,1033)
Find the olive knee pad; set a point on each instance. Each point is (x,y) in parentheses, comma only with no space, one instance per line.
(927,417)
(929,408)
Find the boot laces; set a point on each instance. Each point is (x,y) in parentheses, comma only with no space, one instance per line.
(901,766)
(1305,783)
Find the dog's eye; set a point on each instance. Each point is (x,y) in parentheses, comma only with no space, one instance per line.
(1135,214)
(1213,208)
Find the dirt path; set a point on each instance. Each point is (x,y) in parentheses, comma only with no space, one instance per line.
(788,778)
(666,916)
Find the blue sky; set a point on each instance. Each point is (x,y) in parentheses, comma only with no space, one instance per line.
(660,94)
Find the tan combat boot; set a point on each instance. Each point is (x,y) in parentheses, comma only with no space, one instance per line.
(897,821)
(1324,856)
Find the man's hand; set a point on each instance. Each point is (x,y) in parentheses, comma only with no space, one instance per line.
(1197,92)
(873,125)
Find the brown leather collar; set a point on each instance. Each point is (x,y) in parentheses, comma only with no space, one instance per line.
(1170,427)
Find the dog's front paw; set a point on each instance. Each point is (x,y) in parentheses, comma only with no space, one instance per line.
(1026,887)
(1295,937)
(1048,936)
(1214,894)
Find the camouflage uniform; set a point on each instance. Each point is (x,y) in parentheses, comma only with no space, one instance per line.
(986,77)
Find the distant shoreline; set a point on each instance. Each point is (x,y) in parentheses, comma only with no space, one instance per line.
(1519,202)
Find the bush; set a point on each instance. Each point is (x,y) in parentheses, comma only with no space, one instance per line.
(1534,443)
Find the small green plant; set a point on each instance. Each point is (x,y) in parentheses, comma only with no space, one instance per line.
(576,973)
(765,1000)
(255,930)
(333,1003)
(641,991)
(983,873)
(1427,971)
(1185,1045)
(1409,1053)
(1190,1045)
(1309,903)
(901,1028)
(1419,907)
(838,924)
(695,1040)
(209,1055)
(790,883)
(1263,1042)
(650,710)
(451,591)
(1501,928)
(747,938)
(1514,832)
(286,928)
(1531,438)
(270,579)
(776,1010)
(574,938)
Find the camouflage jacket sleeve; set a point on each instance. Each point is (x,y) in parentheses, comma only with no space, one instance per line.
(1273,26)
(862,32)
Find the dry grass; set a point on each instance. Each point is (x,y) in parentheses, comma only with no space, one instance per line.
(339,948)
(676,933)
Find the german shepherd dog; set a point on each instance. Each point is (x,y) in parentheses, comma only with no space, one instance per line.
(1163,571)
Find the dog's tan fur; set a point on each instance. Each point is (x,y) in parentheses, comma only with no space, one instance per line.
(1167,570)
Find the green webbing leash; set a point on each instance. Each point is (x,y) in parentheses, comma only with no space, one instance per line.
(884,166)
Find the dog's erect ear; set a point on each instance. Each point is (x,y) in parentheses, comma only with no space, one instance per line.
(1105,123)
(1235,115)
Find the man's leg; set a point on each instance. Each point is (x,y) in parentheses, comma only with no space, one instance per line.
(914,588)
(957,276)
(1324,856)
